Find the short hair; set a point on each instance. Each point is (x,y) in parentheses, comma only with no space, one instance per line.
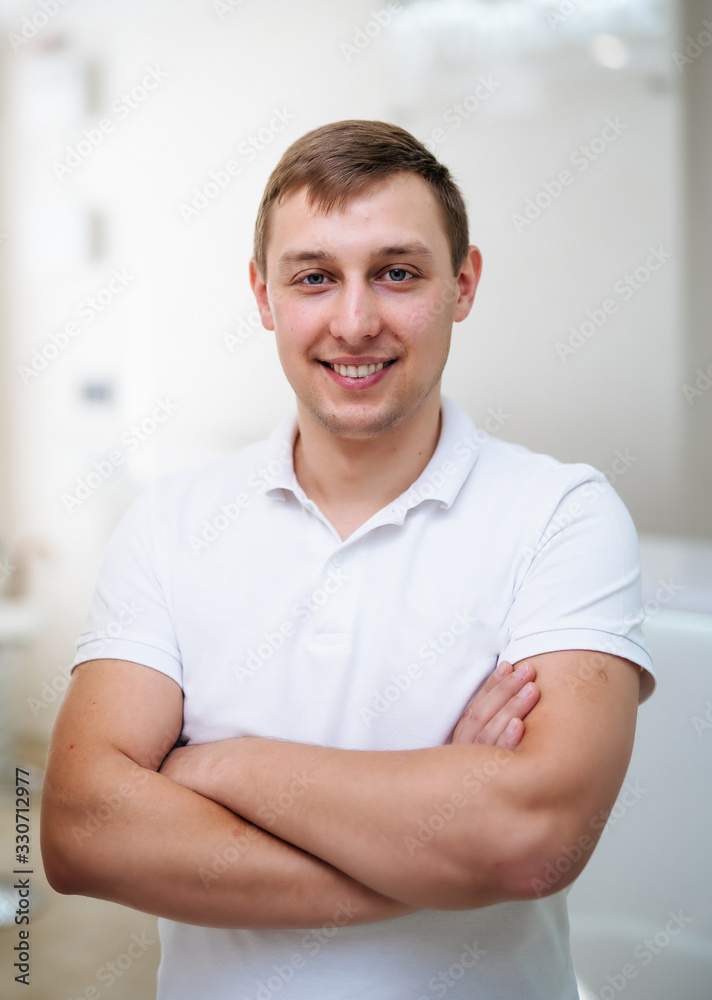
(338,161)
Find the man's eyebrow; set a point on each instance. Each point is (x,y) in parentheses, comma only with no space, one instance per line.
(414,249)
(291,258)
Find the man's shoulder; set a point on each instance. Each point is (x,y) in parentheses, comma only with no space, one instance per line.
(500,464)
(505,464)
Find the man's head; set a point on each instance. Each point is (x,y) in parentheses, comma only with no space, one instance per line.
(361,268)
(336,162)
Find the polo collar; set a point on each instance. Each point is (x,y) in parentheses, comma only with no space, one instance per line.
(452,461)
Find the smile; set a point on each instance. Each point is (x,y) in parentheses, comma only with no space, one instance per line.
(357,371)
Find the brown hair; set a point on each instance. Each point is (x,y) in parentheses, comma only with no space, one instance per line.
(338,161)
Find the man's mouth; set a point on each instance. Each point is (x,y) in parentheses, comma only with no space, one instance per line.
(357,371)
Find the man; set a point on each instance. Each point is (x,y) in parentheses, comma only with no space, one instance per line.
(316,614)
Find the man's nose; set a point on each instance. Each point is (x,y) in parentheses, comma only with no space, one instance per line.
(355,313)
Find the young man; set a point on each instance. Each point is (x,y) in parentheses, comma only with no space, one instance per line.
(316,614)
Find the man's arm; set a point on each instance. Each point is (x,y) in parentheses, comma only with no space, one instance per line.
(112,827)
(459,826)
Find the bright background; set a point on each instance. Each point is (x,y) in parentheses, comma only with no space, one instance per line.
(507,92)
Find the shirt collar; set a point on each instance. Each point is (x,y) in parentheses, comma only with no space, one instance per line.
(456,452)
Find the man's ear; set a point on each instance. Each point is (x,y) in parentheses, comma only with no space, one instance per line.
(467,281)
(259,287)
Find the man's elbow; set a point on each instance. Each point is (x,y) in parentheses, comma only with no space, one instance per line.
(480,867)
(548,856)
(524,857)
(69,851)
(60,862)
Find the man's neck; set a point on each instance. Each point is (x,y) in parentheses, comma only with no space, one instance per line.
(350,479)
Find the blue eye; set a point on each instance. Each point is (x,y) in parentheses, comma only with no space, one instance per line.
(318,279)
(398,273)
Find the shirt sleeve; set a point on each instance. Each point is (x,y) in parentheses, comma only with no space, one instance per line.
(129,614)
(581,587)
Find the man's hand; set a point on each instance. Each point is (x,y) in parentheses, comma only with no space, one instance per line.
(493,718)
(495,715)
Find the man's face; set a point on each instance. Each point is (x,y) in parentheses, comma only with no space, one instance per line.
(362,304)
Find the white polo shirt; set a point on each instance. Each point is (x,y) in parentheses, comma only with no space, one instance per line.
(231,581)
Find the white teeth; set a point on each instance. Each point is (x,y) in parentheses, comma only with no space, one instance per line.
(360,371)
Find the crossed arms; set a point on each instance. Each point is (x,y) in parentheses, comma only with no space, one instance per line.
(269,833)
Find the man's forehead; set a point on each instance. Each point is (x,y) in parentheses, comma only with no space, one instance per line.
(399,214)
(401,183)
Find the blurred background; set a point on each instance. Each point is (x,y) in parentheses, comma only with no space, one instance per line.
(137,136)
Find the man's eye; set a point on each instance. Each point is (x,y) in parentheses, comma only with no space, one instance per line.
(398,274)
(314,279)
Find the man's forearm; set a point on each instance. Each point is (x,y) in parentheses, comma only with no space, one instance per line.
(408,823)
(134,837)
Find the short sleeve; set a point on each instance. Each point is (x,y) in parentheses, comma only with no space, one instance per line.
(581,588)
(129,615)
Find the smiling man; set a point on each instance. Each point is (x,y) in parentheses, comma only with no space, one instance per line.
(403,666)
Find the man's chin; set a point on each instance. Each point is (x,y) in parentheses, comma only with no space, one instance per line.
(359,428)
(359,422)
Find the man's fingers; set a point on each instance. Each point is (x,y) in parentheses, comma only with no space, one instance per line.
(476,710)
(512,735)
(496,732)
(489,701)
(495,677)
